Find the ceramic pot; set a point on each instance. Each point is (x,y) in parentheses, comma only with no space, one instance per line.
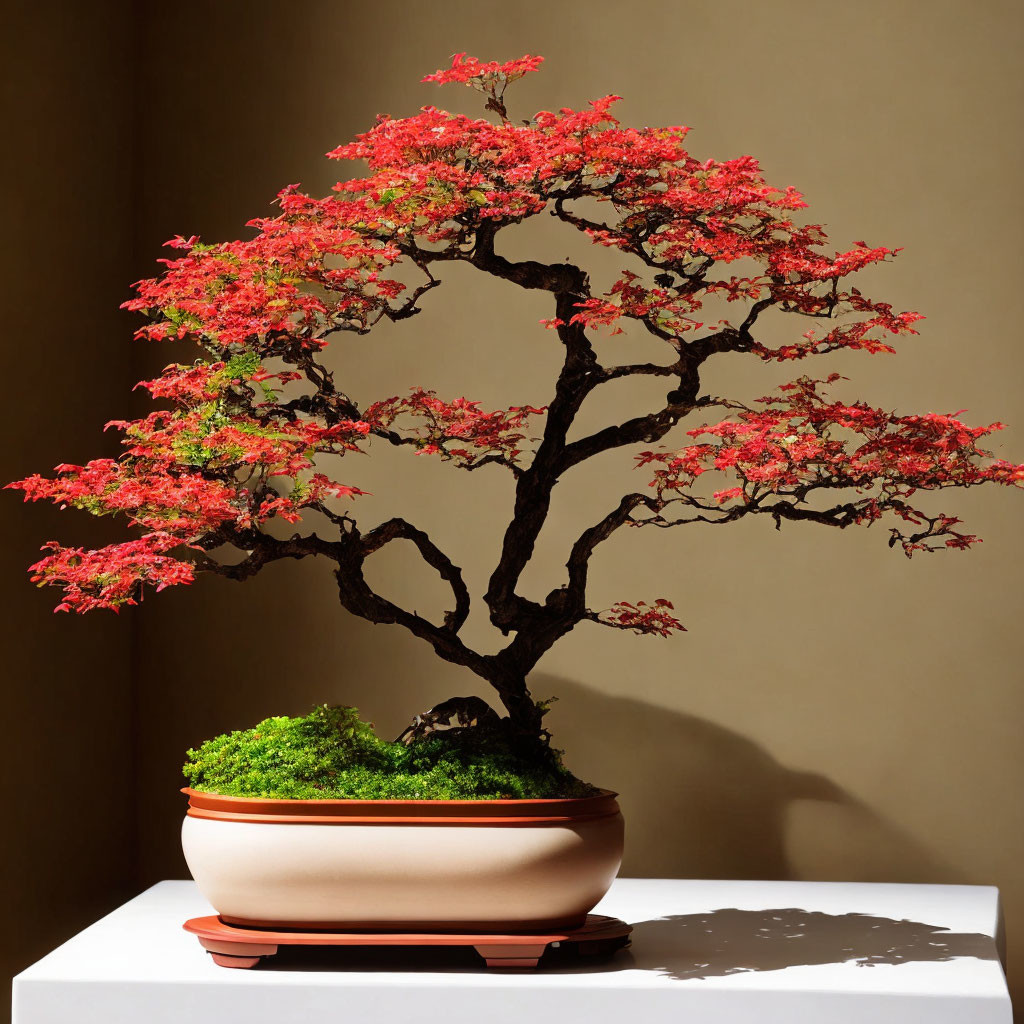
(441,865)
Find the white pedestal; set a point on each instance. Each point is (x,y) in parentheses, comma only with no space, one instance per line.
(727,952)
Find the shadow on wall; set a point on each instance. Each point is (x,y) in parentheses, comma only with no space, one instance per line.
(731,941)
(701,801)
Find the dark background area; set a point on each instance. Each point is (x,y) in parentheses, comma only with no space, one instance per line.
(834,712)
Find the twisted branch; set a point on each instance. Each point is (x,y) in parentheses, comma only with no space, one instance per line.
(395,529)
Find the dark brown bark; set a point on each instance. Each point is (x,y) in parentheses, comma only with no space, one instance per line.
(536,625)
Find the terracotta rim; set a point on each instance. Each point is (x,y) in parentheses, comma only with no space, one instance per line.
(439,928)
(217,929)
(481,813)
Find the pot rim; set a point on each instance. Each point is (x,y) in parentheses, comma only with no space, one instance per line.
(518,812)
(292,802)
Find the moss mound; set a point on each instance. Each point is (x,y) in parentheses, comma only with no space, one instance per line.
(332,754)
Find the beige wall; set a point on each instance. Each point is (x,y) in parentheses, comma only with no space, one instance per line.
(835,711)
(67,854)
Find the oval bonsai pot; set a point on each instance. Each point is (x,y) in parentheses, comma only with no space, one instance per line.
(388,865)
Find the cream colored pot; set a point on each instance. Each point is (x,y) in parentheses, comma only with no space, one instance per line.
(487,865)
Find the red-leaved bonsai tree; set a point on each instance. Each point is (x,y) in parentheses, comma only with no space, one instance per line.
(248,430)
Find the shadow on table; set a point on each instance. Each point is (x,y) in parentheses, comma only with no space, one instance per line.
(731,941)
(692,947)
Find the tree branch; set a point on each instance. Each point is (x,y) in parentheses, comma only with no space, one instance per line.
(396,529)
(561,278)
(579,558)
(261,549)
(578,376)
(349,553)
(650,428)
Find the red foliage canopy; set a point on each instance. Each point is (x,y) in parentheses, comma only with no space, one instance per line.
(247,428)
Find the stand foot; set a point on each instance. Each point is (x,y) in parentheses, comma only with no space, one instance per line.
(511,956)
(236,954)
(225,960)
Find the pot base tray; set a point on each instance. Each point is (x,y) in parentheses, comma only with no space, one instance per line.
(233,945)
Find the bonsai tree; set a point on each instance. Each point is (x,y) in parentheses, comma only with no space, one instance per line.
(247,432)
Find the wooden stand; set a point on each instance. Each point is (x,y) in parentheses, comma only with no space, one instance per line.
(233,945)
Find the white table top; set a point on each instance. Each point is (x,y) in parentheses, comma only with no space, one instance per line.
(729,952)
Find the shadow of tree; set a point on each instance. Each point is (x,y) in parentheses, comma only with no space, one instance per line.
(731,941)
(691,947)
(703,801)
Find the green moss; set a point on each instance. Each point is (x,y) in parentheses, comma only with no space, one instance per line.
(332,754)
